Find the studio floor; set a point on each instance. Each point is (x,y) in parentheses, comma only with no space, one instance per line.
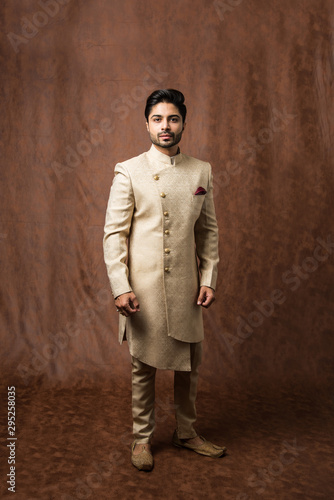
(74,443)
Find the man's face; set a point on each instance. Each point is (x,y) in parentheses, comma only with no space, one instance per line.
(165,125)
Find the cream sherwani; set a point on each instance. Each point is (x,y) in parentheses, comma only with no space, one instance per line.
(161,242)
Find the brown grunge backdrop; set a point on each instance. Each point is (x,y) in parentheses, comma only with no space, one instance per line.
(258,81)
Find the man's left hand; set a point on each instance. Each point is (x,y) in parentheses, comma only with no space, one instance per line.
(206,296)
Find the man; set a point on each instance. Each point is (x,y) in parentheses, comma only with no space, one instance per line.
(160,219)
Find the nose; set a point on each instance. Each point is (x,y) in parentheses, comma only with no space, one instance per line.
(165,125)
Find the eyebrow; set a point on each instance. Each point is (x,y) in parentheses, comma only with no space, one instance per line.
(170,116)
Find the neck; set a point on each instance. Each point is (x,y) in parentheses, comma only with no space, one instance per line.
(168,151)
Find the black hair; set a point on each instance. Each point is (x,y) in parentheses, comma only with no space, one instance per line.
(166,95)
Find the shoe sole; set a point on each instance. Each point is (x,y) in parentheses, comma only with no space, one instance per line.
(224,450)
(145,468)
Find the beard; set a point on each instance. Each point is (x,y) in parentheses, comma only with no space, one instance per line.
(174,139)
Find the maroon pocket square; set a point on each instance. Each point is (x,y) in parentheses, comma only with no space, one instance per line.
(200,190)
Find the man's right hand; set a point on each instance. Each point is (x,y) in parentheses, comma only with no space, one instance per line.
(127,304)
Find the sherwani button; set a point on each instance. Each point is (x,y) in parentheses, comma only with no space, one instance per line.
(166,214)
(166,231)
(156,177)
(167,250)
(163,195)
(167,269)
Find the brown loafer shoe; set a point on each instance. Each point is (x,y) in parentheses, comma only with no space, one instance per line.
(144,459)
(207,449)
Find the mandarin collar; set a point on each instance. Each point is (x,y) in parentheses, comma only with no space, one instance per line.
(156,155)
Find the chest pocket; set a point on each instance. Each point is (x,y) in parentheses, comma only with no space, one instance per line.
(197,202)
(198,198)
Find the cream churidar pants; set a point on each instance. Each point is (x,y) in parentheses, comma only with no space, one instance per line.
(143,397)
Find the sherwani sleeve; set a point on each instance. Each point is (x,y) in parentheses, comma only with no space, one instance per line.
(116,231)
(206,238)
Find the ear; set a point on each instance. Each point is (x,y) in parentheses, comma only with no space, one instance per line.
(184,126)
(147,128)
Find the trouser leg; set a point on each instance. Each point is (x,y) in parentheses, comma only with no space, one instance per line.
(143,395)
(185,390)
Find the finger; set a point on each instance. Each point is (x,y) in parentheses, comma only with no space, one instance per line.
(127,304)
(129,308)
(135,304)
(205,303)
(124,312)
(201,297)
(208,301)
(207,298)
(123,304)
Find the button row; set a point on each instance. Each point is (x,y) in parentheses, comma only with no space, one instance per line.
(166,214)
